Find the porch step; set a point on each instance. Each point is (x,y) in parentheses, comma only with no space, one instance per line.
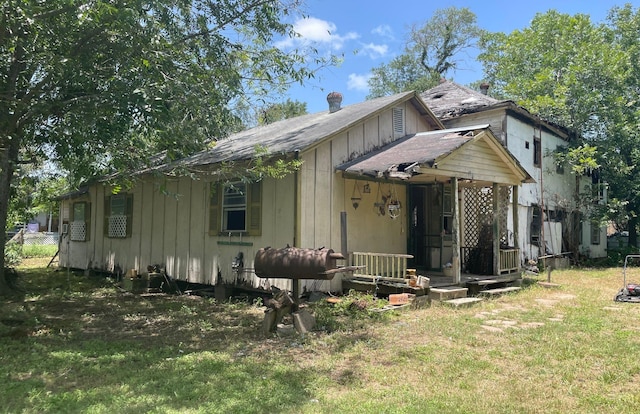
(499,291)
(447,293)
(461,302)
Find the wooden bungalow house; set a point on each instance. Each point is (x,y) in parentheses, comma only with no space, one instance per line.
(554,209)
(381,178)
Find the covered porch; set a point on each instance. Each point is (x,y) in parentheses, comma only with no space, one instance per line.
(461,192)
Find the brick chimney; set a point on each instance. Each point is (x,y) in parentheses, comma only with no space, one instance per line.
(334,99)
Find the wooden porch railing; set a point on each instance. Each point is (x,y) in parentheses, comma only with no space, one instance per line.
(387,265)
(509,260)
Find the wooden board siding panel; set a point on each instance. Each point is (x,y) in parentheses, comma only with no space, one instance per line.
(487,165)
(211,248)
(355,143)
(323,196)
(169,224)
(272,209)
(147,223)
(372,133)
(495,119)
(131,255)
(307,199)
(340,151)
(282,204)
(98,227)
(412,120)
(183,200)
(157,227)
(385,123)
(96,221)
(198,209)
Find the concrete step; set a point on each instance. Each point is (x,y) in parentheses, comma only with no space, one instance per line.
(476,286)
(461,302)
(499,291)
(447,292)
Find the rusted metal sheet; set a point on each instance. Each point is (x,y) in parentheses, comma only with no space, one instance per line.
(296,263)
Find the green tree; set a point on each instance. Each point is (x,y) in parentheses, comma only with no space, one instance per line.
(279,111)
(431,52)
(103,84)
(33,191)
(583,76)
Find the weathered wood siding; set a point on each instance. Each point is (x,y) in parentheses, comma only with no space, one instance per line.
(325,193)
(170,228)
(482,162)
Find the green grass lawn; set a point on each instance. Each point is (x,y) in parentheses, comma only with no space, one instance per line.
(76,343)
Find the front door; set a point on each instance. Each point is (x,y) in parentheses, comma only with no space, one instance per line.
(428,225)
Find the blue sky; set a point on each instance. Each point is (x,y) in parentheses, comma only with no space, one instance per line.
(371,32)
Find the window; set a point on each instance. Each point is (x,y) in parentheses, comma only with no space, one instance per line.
(536,225)
(537,152)
(595,232)
(598,188)
(398,123)
(235,208)
(79,223)
(118,215)
(559,162)
(576,228)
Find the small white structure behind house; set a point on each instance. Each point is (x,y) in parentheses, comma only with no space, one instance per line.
(553,212)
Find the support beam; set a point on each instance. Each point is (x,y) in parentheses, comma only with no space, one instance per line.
(496,228)
(455,231)
(516,218)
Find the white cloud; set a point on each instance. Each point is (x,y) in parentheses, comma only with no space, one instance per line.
(359,82)
(375,51)
(383,30)
(313,30)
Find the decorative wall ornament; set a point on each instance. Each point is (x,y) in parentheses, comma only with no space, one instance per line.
(356,196)
(393,205)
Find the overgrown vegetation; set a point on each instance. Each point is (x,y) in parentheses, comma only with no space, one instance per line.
(13,254)
(79,344)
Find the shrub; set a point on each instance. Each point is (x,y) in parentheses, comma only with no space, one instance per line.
(12,254)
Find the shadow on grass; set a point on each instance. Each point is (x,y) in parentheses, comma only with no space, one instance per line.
(85,346)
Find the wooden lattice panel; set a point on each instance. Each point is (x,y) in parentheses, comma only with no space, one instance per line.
(503,212)
(78,230)
(478,213)
(118,226)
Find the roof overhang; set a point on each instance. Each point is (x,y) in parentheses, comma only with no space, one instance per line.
(440,155)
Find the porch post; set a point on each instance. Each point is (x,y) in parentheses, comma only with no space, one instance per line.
(455,232)
(496,229)
(516,218)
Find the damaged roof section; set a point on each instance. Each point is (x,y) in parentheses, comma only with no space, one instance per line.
(460,152)
(449,100)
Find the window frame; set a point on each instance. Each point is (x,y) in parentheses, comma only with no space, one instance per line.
(595,233)
(86,220)
(537,151)
(237,190)
(252,207)
(126,211)
(535,227)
